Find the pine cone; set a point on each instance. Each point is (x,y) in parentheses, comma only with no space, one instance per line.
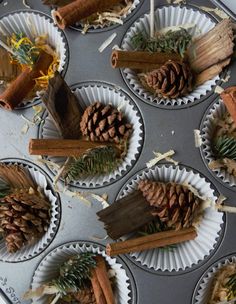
(174,204)
(172,80)
(24,217)
(104,123)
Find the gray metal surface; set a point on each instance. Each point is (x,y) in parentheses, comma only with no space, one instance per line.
(79,221)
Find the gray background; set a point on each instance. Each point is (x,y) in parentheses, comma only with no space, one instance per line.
(79,222)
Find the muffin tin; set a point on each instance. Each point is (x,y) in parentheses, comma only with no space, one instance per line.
(163,129)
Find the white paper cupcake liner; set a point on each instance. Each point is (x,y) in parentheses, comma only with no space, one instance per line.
(88,94)
(165,17)
(79,26)
(49,267)
(216,111)
(31,250)
(189,253)
(33,23)
(203,288)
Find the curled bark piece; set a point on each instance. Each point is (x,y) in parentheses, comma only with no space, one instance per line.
(141,60)
(25,82)
(80,9)
(63,107)
(229,98)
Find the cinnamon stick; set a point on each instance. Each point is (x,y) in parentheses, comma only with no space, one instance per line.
(64,147)
(103,279)
(57,2)
(229,98)
(64,107)
(8,70)
(24,83)
(80,9)
(151,241)
(126,215)
(98,293)
(140,59)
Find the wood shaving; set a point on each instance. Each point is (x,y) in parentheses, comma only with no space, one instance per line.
(116,47)
(25,128)
(197,138)
(218,90)
(101,199)
(179,1)
(175,28)
(159,156)
(107,42)
(49,163)
(218,12)
(60,172)
(227,77)
(76,194)
(97,238)
(25,4)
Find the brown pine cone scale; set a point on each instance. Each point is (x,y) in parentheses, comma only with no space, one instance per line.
(174,204)
(172,80)
(104,123)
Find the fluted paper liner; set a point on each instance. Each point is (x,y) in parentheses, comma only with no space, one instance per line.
(80,25)
(31,250)
(217,111)
(188,253)
(89,94)
(33,23)
(49,267)
(203,290)
(165,17)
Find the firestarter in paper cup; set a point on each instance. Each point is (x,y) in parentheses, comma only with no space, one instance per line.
(49,267)
(164,17)
(214,113)
(106,94)
(110,15)
(203,289)
(188,253)
(31,250)
(33,24)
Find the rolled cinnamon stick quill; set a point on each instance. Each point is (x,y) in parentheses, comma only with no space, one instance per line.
(229,98)
(140,59)
(25,82)
(80,9)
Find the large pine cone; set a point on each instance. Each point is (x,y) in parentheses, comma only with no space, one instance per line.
(172,80)
(24,217)
(174,204)
(104,123)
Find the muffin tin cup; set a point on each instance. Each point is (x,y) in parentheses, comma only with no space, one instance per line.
(203,289)
(31,250)
(186,254)
(88,93)
(125,292)
(214,112)
(164,17)
(34,23)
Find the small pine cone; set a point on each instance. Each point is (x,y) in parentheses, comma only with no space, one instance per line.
(173,204)
(172,80)
(104,123)
(24,217)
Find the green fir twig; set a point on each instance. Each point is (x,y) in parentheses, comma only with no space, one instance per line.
(171,42)
(225,147)
(231,285)
(101,160)
(74,273)
(5,189)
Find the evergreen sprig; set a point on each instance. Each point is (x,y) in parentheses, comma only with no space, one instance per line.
(101,160)
(5,188)
(225,147)
(26,51)
(171,42)
(74,273)
(231,285)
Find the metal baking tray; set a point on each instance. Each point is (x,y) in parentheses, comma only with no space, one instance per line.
(164,129)
(228,6)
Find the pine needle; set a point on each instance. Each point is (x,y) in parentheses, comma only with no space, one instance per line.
(101,160)
(172,41)
(225,147)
